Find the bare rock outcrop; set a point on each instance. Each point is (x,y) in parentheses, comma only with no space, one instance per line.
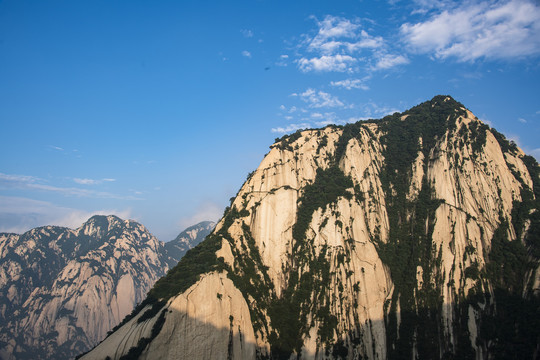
(63,290)
(417,235)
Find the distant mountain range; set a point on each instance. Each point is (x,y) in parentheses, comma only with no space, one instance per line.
(186,240)
(62,290)
(416,236)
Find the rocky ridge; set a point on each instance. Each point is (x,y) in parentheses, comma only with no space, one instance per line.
(416,236)
(63,290)
(187,239)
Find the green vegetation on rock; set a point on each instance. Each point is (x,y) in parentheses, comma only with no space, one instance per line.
(505,327)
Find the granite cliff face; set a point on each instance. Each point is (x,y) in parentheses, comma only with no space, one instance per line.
(416,236)
(63,290)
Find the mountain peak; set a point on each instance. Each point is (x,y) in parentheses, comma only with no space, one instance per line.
(62,290)
(188,239)
(103,219)
(415,235)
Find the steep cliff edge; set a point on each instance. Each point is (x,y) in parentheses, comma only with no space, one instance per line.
(416,236)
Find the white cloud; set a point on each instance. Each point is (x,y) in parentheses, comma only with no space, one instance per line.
(283,60)
(342,45)
(19,214)
(485,29)
(246,54)
(522,120)
(351,84)
(337,62)
(367,42)
(320,99)
(337,33)
(56,148)
(424,6)
(205,212)
(388,61)
(334,27)
(290,128)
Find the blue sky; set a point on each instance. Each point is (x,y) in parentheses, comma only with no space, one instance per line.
(157,111)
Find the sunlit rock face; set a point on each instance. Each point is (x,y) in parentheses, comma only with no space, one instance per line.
(414,236)
(63,290)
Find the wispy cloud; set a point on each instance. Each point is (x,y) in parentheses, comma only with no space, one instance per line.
(522,120)
(478,29)
(247,33)
(91,181)
(291,128)
(339,34)
(10,179)
(388,61)
(350,84)
(86,181)
(320,99)
(290,110)
(24,182)
(207,211)
(343,45)
(335,62)
(58,148)
(374,111)
(315,118)
(283,60)
(485,121)
(536,153)
(18,214)
(246,53)
(424,6)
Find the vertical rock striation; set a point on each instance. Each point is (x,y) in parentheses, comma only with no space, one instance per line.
(416,236)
